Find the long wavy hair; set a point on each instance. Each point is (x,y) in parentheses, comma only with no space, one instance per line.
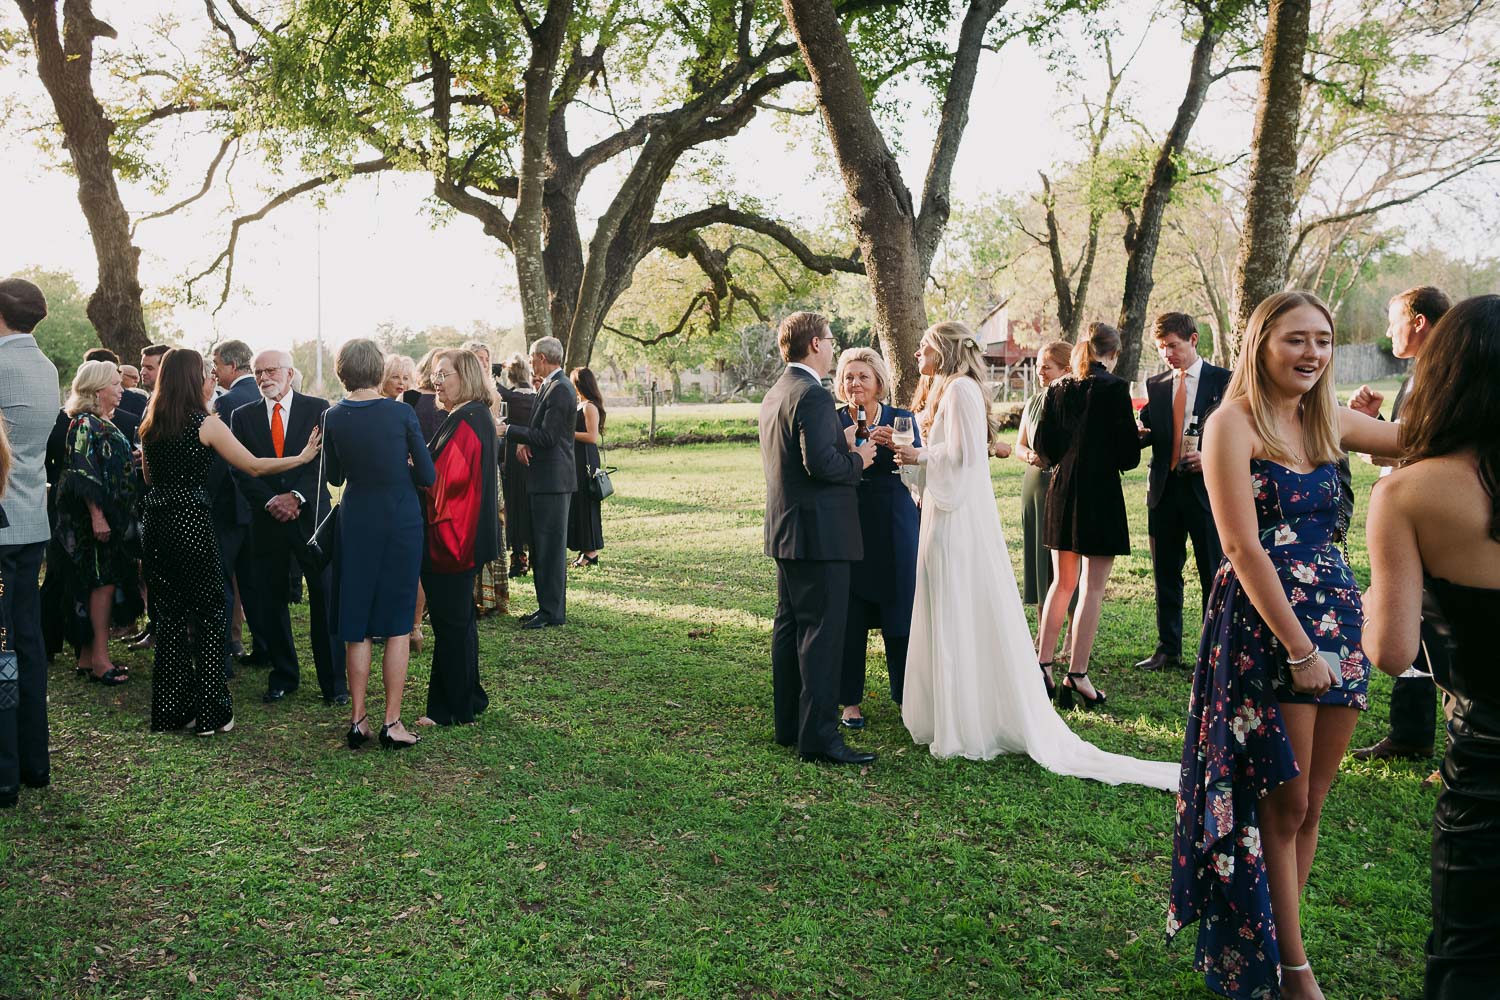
(960,357)
(1319,405)
(178,395)
(1454,404)
(588,387)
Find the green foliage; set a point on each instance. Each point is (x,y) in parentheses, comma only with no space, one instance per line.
(66,334)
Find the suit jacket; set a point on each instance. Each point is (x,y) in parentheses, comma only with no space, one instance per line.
(133,401)
(812,509)
(1157,418)
(550,437)
(29,400)
(253,428)
(230,509)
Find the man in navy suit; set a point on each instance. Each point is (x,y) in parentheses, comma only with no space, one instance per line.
(812,531)
(230,512)
(283,513)
(1178,402)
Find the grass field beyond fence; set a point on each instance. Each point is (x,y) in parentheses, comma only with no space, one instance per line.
(619,823)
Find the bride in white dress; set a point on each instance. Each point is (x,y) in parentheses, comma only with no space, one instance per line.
(973,688)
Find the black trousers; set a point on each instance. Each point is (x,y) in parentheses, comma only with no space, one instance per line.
(271,569)
(807,639)
(860,618)
(1414,699)
(454,694)
(1463,951)
(549,553)
(23,692)
(1178,516)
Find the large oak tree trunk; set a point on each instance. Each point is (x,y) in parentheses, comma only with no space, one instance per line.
(1143,235)
(64,62)
(1264,257)
(896,241)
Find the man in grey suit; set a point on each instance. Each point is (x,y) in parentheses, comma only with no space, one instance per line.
(546,448)
(812,531)
(29,401)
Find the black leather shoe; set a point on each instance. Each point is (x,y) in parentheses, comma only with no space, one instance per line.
(540,621)
(1389,749)
(274,695)
(1160,661)
(857,722)
(253,660)
(523,619)
(840,755)
(36,780)
(338,699)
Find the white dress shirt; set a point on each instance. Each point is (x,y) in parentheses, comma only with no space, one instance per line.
(1190,389)
(286,423)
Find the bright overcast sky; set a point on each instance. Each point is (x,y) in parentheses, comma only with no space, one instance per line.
(376,255)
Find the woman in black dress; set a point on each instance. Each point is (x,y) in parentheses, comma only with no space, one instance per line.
(1087,433)
(585,526)
(1434,532)
(520,400)
(181,555)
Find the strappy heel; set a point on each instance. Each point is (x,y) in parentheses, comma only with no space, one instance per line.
(1067,693)
(357,737)
(1047,680)
(389,742)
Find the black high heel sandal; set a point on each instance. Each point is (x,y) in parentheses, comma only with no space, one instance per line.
(390,743)
(358,737)
(1068,692)
(1047,680)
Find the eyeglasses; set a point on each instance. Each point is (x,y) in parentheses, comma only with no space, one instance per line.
(438,377)
(262,372)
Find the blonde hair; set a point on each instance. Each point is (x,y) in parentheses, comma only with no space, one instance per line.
(960,356)
(473,380)
(868,356)
(1319,405)
(1102,342)
(87,381)
(1059,352)
(424,369)
(396,364)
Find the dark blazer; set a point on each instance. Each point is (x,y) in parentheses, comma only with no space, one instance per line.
(550,437)
(1157,417)
(133,401)
(225,499)
(812,511)
(253,428)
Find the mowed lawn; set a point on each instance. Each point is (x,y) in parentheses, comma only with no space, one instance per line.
(620,823)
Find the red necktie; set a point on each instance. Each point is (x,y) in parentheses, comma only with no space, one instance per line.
(278,433)
(1179,413)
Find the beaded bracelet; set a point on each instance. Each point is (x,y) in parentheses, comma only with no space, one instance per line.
(1298,666)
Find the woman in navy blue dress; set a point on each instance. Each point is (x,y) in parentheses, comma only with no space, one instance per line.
(1281,676)
(881,586)
(373,447)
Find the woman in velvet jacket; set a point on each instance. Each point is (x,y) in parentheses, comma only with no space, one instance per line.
(463,518)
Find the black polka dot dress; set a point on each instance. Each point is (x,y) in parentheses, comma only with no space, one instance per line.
(186,585)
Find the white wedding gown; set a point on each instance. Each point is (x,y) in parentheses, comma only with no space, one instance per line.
(973,688)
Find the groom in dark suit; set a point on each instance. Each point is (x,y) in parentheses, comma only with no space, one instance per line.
(283,513)
(1178,400)
(812,531)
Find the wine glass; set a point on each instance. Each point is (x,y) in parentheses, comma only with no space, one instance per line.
(903,436)
(504,410)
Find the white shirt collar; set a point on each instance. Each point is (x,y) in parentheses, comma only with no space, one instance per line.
(1195,369)
(798,364)
(286,409)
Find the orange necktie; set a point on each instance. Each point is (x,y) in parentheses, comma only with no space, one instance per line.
(1179,413)
(278,433)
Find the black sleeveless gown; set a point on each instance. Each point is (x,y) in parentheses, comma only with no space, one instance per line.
(186,582)
(1463,953)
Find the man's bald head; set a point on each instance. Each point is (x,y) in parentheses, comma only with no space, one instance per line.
(273,373)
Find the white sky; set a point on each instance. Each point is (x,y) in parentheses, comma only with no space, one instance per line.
(381,258)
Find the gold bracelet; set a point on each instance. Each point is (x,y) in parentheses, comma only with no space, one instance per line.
(1305,663)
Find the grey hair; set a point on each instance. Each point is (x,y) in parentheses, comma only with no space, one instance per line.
(475,346)
(235,354)
(550,348)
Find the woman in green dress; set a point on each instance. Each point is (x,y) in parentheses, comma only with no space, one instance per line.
(1051,363)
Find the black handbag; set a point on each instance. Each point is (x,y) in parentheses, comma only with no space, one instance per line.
(600,486)
(326,530)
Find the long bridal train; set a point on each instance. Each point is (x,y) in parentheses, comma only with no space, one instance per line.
(972,684)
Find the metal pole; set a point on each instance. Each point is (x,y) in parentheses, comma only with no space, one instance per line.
(653,411)
(318,378)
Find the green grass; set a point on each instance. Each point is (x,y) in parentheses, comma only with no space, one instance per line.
(620,823)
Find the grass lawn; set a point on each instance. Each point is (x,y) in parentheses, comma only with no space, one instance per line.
(620,823)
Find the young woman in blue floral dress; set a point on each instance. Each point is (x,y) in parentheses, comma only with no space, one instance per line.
(1281,677)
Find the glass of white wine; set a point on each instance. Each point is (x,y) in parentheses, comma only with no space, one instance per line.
(504,410)
(903,436)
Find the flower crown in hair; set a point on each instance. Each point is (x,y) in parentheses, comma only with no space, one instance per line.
(974,339)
